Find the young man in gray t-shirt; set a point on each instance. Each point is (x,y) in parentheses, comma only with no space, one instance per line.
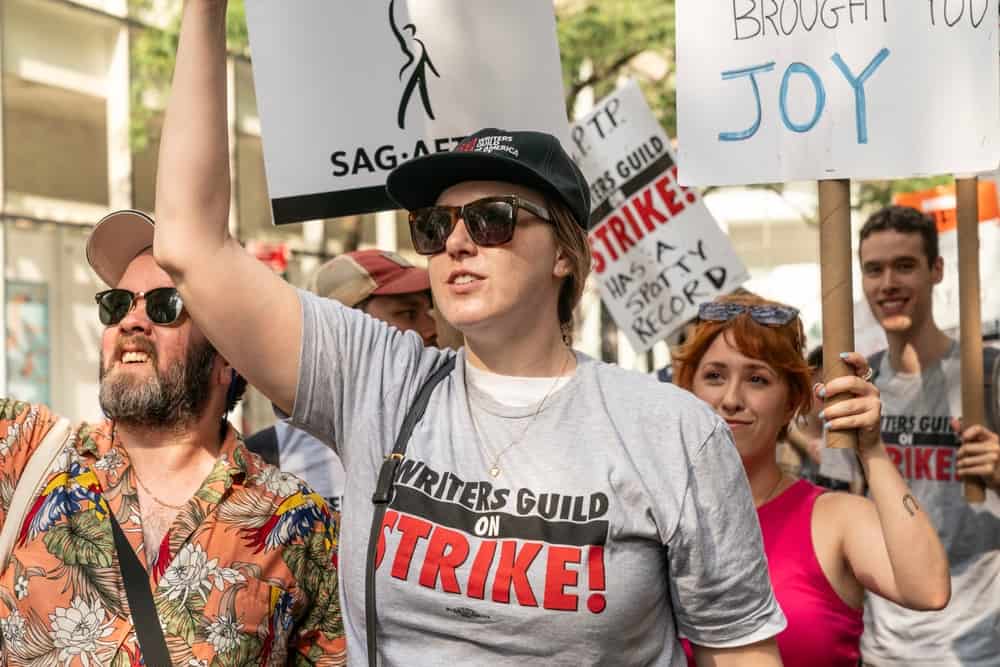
(920,380)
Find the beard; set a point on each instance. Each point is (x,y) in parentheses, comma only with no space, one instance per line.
(179,395)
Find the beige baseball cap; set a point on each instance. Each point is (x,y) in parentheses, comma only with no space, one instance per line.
(354,276)
(116,240)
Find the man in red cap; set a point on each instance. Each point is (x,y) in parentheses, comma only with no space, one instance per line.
(218,554)
(382,284)
(385,286)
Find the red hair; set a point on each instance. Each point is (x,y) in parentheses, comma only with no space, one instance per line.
(780,347)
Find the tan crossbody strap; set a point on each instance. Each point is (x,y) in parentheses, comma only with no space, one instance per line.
(29,486)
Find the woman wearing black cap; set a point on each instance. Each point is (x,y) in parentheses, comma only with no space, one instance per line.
(548,508)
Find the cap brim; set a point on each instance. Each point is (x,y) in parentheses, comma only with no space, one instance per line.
(420,182)
(115,241)
(410,281)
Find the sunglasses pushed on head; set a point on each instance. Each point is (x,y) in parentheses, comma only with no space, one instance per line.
(768,315)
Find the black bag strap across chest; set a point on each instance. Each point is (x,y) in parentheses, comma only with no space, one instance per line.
(383,495)
(146,620)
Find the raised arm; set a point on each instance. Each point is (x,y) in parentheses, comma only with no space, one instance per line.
(889,542)
(252,316)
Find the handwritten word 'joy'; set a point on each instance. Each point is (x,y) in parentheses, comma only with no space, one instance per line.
(856,82)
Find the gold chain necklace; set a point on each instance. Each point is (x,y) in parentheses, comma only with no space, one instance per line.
(135,473)
(494,468)
(145,488)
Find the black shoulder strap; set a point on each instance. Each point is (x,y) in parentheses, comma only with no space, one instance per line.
(265,443)
(383,494)
(140,601)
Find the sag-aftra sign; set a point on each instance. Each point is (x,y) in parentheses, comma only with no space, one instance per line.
(348,90)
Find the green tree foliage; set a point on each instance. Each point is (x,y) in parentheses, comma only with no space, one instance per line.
(876,194)
(152,60)
(600,40)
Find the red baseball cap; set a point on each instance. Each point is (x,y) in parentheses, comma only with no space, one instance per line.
(354,276)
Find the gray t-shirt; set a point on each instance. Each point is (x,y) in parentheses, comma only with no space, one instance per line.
(620,519)
(915,428)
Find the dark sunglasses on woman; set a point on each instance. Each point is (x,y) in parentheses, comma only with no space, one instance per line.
(771,316)
(163,305)
(490,222)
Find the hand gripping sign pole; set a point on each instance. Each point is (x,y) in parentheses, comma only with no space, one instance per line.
(967,205)
(835,279)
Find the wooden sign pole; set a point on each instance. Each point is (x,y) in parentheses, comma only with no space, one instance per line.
(970,318)
(835,277)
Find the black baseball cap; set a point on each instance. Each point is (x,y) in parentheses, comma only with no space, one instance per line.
(533,159)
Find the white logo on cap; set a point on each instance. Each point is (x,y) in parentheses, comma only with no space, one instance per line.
(496,143)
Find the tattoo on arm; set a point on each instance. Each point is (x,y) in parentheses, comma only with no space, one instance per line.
(911,505)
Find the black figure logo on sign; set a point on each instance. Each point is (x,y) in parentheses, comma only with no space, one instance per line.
(416,64)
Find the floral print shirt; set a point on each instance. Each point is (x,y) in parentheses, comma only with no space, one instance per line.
(246,575)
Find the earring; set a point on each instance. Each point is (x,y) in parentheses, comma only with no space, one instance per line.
(566,328)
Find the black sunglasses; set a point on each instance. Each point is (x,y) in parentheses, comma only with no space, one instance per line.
(490,222)
(163,305)
(771,316)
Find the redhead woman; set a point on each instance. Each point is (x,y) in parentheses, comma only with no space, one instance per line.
(824,550)
(548,509)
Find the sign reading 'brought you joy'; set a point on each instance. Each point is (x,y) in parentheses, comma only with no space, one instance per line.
(779,90)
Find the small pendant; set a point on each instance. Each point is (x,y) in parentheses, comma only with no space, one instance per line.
(495,471)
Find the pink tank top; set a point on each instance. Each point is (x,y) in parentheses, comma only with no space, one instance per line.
(823,631)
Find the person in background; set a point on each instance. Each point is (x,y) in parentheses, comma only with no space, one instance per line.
(383,285)
(825,550)
(220,536)
(919,376)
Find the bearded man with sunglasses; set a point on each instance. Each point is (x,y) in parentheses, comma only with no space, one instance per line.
(220,556)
